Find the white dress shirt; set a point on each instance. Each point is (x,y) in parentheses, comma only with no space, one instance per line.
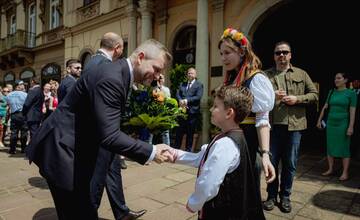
(223,158)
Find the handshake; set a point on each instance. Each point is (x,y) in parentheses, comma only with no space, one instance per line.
(165,153)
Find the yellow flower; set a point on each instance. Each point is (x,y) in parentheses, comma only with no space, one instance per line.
(226,32)
(238,36)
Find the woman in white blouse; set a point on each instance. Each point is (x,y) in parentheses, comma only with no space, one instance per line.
(243,67)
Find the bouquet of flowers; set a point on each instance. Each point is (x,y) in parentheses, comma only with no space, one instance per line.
(150,109)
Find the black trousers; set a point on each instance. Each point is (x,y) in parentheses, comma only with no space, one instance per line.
(72,205)
(107,175)
(18,124)
(186,127)
(33,126)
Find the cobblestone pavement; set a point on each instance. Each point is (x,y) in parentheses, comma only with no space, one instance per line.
(163,190)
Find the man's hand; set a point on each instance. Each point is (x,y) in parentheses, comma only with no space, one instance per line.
(279,94)
(269,169)
(163,154)
(289,100)
(350,131)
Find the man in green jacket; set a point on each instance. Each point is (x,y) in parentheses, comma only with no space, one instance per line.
(294,90)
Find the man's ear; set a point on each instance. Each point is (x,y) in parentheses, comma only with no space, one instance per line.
(140,57)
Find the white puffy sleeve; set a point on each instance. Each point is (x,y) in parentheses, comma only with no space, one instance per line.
(264,98)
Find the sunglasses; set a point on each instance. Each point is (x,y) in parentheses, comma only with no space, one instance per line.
(278,53)
(77,68)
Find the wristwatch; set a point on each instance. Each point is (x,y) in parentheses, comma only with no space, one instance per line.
(265,152)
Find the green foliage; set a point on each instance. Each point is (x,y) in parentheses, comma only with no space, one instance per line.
(152,110)
(178,76)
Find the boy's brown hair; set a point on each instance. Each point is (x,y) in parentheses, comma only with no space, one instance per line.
(238,98)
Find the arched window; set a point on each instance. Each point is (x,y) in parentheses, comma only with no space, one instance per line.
(184,48)
(50,71)
(26,75)
(9,78)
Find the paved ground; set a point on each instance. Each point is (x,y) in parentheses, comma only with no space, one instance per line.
(163,191)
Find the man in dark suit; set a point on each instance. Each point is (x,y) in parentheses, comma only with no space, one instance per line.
(66,146)
(107,172)
(32,108)
(73,69)
(189,95)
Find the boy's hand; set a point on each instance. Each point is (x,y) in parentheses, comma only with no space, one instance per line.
(269,169)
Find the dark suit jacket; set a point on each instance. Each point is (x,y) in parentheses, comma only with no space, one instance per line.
(193,95)
(66,146)
(65,87)
(32,108)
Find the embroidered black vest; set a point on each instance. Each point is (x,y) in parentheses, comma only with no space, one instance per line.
(237,198)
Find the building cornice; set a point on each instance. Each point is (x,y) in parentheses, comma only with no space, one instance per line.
(95,22)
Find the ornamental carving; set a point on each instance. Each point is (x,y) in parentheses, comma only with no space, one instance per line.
(89,11)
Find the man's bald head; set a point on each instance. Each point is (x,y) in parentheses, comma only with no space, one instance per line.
(113,43)
(110,40)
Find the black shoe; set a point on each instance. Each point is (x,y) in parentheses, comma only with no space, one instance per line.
(134,215)
(285,205)
(12,152)
(123,164)
(269,204)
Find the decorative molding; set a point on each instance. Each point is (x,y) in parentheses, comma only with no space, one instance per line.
(89,11)
(146,7)
(42,11)
(217,5)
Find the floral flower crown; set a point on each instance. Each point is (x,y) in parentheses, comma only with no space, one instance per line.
(238,37)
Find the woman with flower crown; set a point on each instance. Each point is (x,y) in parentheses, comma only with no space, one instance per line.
(243,67)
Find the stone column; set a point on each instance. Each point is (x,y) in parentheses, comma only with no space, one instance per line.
(3,25)
(162,18)
(39,22)
(146,11)
(216,32)
(202,63)
(132,37)
(20,17)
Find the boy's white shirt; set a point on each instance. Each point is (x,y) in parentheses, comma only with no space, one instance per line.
(223,158)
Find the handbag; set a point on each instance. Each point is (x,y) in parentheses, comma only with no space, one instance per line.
(326,111)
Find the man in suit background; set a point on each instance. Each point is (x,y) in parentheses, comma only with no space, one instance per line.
(66,146)
(107,172)
(189,95)
(33,106)
(73,69)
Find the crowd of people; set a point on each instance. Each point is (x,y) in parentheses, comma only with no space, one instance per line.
(78,144)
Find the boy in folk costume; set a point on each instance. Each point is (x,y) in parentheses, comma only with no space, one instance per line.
(225,187)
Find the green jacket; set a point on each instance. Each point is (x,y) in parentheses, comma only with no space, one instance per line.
(299,84)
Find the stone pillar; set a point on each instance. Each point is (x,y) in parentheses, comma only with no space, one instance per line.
(162,17)
(216,32)
(20,17)
(39,22)
(146,11)
(132,37)
(3,25)
(202,63)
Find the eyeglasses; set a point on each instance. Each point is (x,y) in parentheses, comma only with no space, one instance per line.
(278,53)
(77,68)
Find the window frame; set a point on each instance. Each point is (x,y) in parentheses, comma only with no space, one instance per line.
(54,16)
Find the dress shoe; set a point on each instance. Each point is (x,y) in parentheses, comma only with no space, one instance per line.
(134,215)
(269,204)
(123,164)
(12,152)
(285,205)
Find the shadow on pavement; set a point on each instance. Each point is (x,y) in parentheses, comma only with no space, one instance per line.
(45,214)
(38,182)
(340,201)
